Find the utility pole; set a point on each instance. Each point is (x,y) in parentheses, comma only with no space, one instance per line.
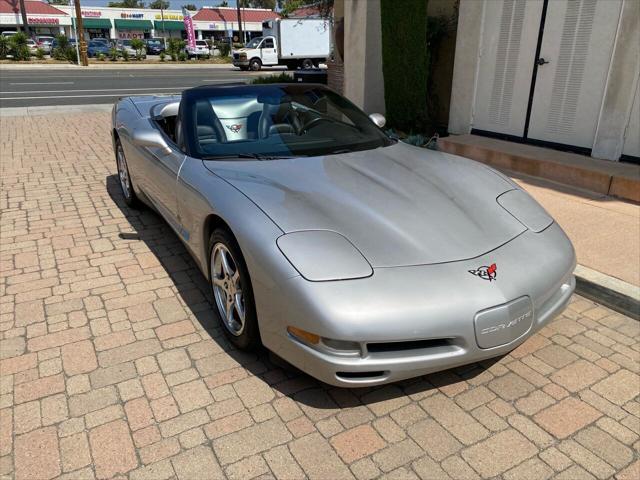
(164,34)
(81,41)
(25,22)
(240,34)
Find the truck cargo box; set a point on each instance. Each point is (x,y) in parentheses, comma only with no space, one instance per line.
(300,37)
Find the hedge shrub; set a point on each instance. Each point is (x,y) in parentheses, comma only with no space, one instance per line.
(405,63)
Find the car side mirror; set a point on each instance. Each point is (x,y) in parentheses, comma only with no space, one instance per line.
(378,119)
(150,139)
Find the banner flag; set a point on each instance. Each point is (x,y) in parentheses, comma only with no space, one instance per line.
(188,26)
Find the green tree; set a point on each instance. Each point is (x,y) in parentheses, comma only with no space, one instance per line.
(5,46)
(190,6)
(138,45)
(175,47)
(58,2)
(288,6)
(159,4)
(270,4)
(19,48)
(127,4)
(223,3)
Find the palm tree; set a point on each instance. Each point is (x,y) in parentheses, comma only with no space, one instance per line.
(23,14)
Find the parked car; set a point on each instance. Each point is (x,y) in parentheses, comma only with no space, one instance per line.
(357,258)
(54,43)
(96,47)
(44,42)
(155,46)
(33,46)
(125,45)
(201,49)
(8,33)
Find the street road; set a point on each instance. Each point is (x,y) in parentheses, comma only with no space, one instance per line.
(43,87)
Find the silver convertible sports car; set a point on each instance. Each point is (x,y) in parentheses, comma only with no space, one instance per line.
(358,259)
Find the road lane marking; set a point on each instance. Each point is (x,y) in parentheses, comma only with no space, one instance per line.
(42,83)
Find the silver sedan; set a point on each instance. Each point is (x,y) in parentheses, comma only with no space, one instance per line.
(356,258)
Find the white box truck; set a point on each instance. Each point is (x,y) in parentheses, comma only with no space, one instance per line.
(292,42)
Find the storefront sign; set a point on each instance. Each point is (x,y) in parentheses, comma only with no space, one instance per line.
(129,34)
(169,16)
(43,21)
(131,15)
(213,26)
(91,13)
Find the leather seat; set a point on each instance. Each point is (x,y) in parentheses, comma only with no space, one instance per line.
(278,119)
(208,127)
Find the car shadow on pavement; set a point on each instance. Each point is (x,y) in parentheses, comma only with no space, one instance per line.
(192,287)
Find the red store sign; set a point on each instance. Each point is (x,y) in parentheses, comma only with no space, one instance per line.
(43,21)
(91,13)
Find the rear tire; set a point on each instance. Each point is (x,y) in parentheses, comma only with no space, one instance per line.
(234,303)
(124,178)
(255,64)
(307,64)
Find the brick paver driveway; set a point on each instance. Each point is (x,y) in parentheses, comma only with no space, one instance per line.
(112,367)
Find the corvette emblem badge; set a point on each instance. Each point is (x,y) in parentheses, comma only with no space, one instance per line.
(235,128)
(486,273)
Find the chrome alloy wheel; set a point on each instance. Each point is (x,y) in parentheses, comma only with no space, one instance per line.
(227,289)
(123,173)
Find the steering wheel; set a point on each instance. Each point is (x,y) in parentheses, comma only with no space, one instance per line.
(313,122)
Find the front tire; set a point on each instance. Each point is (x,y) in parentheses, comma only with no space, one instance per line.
(124,177)
(232,291)
(255,65)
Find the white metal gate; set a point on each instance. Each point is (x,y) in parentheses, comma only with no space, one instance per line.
(543,68)
(577,42)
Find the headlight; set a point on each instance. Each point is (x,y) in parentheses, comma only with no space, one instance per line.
(323,255)
(525,209)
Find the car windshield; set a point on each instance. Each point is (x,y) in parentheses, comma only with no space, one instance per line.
(155,43)
(254,43)
(270,121)
(201,43)
(126,43)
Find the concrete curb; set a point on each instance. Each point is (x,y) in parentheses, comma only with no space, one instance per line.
(54,109)
(609,291)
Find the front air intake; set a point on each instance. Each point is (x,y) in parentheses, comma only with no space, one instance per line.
(385,347)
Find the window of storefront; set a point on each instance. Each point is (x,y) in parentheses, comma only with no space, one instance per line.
(95,27)
(128,28)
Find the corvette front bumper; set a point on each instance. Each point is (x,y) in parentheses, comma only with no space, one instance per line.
(411,321)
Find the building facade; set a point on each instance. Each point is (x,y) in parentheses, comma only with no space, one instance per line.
(127,23)
(561,73)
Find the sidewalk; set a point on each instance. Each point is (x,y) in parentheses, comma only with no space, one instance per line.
(605,231)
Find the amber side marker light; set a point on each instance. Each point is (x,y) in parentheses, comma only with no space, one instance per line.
(304,336)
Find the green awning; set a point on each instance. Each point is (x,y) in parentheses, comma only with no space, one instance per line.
(94,22)
(128,24)
(168,25)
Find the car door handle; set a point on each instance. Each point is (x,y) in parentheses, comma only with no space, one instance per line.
(541,61)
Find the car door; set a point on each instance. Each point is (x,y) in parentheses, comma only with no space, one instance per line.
(269,52)
(159,172)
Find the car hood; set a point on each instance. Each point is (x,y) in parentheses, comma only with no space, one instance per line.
(399,205)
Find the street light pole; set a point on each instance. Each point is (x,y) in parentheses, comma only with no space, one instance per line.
(80,41)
